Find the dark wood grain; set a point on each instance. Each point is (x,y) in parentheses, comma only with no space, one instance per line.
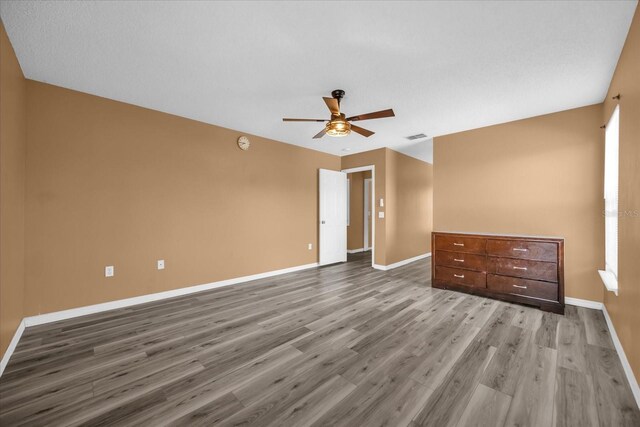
(460,243)
(460,260)
(537,270)
(514,268)
(459,276)
(523,249)
(523,287)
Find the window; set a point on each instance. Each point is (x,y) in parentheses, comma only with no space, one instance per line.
(611,154)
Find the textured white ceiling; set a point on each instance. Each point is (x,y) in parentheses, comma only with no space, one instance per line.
(442,66)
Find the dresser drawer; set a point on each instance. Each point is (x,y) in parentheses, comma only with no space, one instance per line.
(461,277)
(475,245)
(523,249)
(524,287)
(537,270)
(461,260)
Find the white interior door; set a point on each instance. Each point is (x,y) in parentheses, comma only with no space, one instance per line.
(333,217)
(367,212)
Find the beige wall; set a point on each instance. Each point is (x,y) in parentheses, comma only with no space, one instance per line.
(156,186)
(355,230)
(539,176)
(113,184)
(624,308)
(13,146)
(409,205)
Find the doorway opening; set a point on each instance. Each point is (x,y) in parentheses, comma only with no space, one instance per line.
(360,213)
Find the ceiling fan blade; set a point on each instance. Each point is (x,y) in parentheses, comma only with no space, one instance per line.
(364,132)
(377,115)
(320,134)
(333,105)
(304,120)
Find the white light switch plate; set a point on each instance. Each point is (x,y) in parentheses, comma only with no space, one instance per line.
(109,271)
(380,214)
(310,246)
(160,264)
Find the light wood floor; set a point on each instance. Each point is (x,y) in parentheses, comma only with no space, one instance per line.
(340,345)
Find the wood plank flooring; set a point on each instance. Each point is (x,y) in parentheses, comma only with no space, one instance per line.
(342,345)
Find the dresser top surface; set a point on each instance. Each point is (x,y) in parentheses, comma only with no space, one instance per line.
(497,235)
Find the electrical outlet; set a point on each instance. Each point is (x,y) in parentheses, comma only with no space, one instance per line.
(109,271)
(160,264)
(310,246)
(380,214)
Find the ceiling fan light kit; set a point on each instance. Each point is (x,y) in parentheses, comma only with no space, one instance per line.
(339,125)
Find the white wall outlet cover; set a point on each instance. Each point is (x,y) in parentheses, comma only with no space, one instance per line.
(310,246)
(382,203)
(160,264)
(380,214)
(109,271)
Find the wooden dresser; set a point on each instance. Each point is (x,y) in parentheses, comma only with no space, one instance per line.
(526,270)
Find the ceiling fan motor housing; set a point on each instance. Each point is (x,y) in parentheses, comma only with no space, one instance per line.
(338,94)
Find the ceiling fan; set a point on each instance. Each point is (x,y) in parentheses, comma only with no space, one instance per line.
(339,124)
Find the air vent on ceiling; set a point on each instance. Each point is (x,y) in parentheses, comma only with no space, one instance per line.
(417,136)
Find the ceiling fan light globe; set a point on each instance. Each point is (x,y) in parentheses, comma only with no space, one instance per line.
(338,128)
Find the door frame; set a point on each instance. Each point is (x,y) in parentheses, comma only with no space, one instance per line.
(371,168)
(367,239)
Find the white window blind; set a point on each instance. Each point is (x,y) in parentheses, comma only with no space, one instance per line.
(611,156)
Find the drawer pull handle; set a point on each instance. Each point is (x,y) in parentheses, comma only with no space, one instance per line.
(458,244)
(521,287)
(521,249)
(458,260)
(520,268)
(460,276)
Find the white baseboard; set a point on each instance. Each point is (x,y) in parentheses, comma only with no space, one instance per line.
(12,346)
(401,263)
(111,305)
(583,303)
(635,389)
(355,251)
